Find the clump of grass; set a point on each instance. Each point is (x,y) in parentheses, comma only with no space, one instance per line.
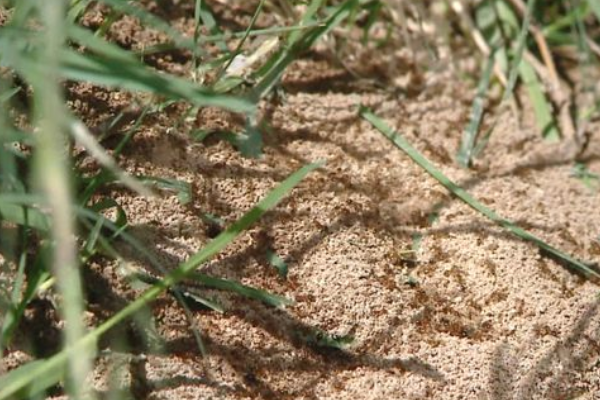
(526,42)
(33,378)
(41,47)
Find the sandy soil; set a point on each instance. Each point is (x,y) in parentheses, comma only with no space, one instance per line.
(474,313)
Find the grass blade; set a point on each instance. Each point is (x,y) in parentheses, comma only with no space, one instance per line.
(244,290)
(240,45)
(518,54)
(52,178)
(459,192)
(465,152)
(111,68)
(18,381)
(297,42)
(544,114)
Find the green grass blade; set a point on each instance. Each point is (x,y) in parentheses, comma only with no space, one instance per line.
(36,278)
(12,210)
(544,114)
(84,137)
(31,381)
(208,19)
(513,73)
(299,41)
(465,152)
(459,192)
(240,45)
(110,68)
(135,76)
(244,290)
(51,174)
(277,30)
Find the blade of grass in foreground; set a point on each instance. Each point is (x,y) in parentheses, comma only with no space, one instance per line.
(111,67)
(41,375)
(462,194)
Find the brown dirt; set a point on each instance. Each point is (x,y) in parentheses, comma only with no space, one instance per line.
(474,314)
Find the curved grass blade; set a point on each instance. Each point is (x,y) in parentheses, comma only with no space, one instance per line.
(41,375)
(459,192)
(83,136)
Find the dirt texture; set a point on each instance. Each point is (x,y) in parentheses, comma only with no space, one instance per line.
(470,313)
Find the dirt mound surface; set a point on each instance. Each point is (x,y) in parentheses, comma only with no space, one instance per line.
(447,307)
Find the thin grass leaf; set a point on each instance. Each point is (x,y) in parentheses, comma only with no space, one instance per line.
(244,290)
(588,178)
(240,45)
(37,278)
(544,114)
(81,135)
(197,25)
(208,303)
(111,69)
(39,376)
(278,30)
(13,315)
(206,15)
(51,171)
(250,142)
(465,152)
(135,76)
(46,377)
(513,73)
(12,210)
(8,94)
(91,243)
(298,42)
(76,10)
(322,339)
(106,204)
(97,45)
(500,25)
(459,192)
